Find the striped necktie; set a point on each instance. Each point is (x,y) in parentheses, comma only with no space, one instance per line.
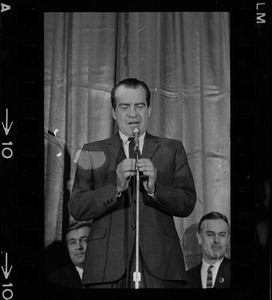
(209,277)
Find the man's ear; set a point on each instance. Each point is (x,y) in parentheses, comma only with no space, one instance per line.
(199,239)
(149,110)
(113,113)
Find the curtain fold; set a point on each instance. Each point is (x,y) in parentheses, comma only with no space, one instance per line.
(184,57)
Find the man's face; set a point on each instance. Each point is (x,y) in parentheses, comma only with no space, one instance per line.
(131,109)
(213,238)
(77,242)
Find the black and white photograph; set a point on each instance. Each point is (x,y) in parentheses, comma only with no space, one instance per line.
(135,150)
(163,79)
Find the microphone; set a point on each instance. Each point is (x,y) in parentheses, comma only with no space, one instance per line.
(136,132)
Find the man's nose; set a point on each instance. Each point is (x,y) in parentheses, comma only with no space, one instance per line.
(216,239)
(79,245)
(132,111)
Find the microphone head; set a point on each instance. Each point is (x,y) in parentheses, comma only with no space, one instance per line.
(136,130)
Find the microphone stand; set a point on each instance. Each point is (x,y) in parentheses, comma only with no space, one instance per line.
(137,274)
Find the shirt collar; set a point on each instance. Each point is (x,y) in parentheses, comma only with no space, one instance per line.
(125,138)
(216,265)
(80,271)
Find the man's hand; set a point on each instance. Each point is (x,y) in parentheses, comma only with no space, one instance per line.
(124,171)
(146,166)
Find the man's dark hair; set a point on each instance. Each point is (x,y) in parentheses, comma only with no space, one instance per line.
(130,83)
(76,225)
(212,216)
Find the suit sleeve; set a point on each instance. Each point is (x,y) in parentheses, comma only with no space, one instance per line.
(179,197)
(86,202)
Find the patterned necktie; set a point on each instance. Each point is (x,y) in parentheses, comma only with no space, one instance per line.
(209,277)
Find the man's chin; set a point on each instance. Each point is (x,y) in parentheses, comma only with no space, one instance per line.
(132,127)
(80,261)
(80,258)
(217,255)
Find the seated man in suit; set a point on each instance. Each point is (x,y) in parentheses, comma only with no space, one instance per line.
(76,240)
(214,271)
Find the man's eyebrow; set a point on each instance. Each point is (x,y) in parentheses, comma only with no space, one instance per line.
(71,239)
(211,231)
(128,103)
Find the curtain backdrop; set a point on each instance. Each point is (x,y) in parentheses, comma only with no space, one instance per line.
(184,57)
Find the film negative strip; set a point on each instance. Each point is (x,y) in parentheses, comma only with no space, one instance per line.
(22,149)
(250,161)
(21,153)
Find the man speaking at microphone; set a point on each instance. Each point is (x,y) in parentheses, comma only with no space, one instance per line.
(104,190)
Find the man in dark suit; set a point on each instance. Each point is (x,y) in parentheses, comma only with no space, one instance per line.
(213,235)
(104,191)
(70,275)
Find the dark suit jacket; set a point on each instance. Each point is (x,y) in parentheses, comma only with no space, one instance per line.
(112,235)
(66,277)
(222,279)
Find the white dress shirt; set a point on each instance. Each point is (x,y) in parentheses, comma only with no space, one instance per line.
(80,272)
(126,142)
(214,270)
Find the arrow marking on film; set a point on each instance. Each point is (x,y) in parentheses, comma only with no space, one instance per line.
(6,271)
(6,126)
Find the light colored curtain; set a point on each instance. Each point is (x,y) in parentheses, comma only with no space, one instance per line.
(184,57)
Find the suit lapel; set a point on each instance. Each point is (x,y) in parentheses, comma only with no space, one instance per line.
(76,275)
(117,151)
(198,278)
(115,148)
(222,274)
(150,146)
